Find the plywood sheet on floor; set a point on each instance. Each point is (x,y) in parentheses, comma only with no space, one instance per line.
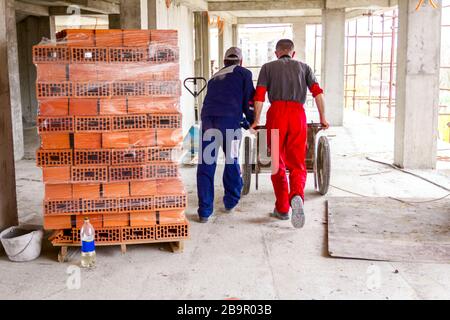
(386,229)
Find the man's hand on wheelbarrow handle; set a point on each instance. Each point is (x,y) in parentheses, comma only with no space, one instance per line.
(325,124)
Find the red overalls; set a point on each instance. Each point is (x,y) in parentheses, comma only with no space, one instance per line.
(287,81)
(287,138)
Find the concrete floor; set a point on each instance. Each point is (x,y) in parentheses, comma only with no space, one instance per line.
(248,255)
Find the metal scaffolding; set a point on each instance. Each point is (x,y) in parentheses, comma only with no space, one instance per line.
(370,64)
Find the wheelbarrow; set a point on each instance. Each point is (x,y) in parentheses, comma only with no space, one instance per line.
(257,158)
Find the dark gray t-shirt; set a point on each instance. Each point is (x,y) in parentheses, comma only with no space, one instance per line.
(286,79)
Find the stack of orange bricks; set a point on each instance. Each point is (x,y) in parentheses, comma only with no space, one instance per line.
(110,130)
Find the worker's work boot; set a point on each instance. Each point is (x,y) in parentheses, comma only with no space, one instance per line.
(278,215)
(298,213)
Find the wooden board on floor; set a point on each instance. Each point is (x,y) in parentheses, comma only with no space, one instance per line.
(389,230)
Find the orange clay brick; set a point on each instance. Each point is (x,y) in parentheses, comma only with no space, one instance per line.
(164,37)
(141,219)
(51,72)
(142,138)
(55,89)
(51,54)
(171,216)
(56,175)
(170,187)
(153,105)
(91,157)
(55,140)
(128,55)
(108,38)
(91,191)
(95,219)
(83,72)
(136,38)
(110,72)
(77,37)
(54,107)
(114,140)
(88,140)
(169,137)
(149,72)
(113,106)
(173,231)
(86,174)
(143,188)
(112,190)
(57,222)
(54,158)
(116,220)
(58,191)
(83,107)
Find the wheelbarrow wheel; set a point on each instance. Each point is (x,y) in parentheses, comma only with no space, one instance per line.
(247,166)
(323,165)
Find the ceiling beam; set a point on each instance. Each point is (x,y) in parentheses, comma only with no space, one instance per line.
(357,13)
(67,11)
(98,6)
(226,16)
(31,9)
(264,5)
(298,4)
(279,20)
(359,4)
(195,5)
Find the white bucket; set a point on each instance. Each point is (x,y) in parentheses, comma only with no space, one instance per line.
(21,244)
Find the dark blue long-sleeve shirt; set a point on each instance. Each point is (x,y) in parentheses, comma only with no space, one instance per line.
(230,94)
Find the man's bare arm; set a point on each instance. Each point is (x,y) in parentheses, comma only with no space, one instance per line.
(320,103)
(258,109)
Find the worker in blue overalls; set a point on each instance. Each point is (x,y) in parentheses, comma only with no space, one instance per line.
(228,99)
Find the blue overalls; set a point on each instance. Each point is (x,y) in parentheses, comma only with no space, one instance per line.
(229,97)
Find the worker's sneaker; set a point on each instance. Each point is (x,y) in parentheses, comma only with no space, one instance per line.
(298,213)
(203,219)
(278,215)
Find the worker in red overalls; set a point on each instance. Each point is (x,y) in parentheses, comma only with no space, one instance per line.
(286,81)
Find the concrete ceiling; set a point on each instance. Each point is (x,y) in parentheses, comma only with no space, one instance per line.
(97,6)
(276,13)
(291,8)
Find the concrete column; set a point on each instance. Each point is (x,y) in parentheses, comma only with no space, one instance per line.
(53,27)
(235,36)
(114,21)
(152,14)
(222,47)
(14,80)
(417,88)
(30,32)
(333,53)
(8,205)
(225,41)
(202,55)
(299,32)
(131,14)
(138,14)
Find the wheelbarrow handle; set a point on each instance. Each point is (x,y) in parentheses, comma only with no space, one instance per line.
(195,81)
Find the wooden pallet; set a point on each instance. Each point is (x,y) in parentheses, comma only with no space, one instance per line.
(177,246)
(173,234)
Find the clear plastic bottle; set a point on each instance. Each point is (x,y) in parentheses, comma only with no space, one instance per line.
(87,235)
